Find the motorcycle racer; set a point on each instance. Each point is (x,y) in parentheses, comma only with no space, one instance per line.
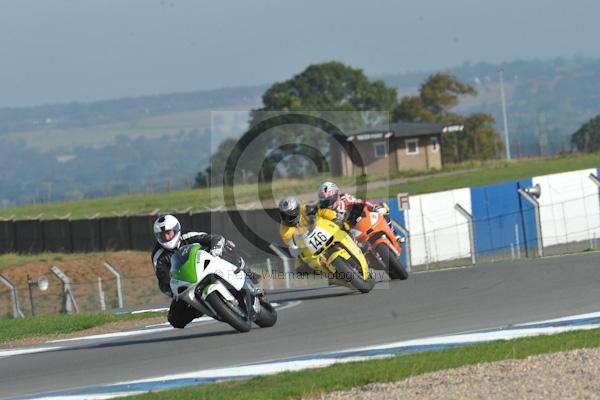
(170,238)
(330,197)
(294,216)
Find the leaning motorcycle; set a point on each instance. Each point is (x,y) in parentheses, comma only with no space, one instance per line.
(219,288)
(371,230)
(329,250)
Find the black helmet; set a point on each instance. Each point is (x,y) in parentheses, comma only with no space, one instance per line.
(289,210)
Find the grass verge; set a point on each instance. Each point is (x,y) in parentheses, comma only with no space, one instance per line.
(486,172)
(14,329)
(312,382)
(493,173)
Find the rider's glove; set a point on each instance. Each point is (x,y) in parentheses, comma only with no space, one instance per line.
(293,249)
(217,248)
(381,210)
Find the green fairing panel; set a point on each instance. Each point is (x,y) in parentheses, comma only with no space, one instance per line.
(183,263)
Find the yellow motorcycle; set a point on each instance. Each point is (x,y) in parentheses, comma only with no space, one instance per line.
(329,250)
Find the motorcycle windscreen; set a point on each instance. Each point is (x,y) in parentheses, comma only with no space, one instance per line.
(183,263)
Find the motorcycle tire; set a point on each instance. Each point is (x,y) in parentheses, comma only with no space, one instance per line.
(395,269)
(352,276)
(267,316)
(227,314)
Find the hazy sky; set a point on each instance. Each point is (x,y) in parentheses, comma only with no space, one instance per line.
(77,50)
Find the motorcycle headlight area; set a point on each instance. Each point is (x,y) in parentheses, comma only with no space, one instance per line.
(374,218)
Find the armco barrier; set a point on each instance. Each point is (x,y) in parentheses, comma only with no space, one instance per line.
(57,235)
(8,239)
(85,235)
(129,232)
(29,236)
(503,225)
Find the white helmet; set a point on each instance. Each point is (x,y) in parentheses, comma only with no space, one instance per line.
(167,231)
(329,194)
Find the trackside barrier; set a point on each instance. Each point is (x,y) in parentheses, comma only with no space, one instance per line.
(538,225)
(16,307)
(120,287)
(469,219)
(69,304)
(286,264)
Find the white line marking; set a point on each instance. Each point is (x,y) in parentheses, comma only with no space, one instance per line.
(112,335)
(150,310)
(9,353)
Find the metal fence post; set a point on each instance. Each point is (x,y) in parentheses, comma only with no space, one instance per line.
(69,304)
(538,224)
(16,307)
(517,241)
(406,234)
(469,218)
(286,264)
(120,288)
(270,272)
(101,294)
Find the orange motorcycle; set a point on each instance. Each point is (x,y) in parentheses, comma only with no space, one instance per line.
(377,240)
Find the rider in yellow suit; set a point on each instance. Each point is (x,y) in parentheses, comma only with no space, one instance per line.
(294,216)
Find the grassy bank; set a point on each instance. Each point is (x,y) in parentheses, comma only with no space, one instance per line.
(494,173)
(14,329)
(312,382)
(473,173)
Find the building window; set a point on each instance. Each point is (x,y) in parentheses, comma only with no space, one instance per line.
(412,146)
(381,149)
(434,144)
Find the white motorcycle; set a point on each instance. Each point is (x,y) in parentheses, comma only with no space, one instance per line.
(219,289)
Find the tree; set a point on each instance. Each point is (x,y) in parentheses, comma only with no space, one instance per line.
(214,172)
(587,137)
(318,91)
(437,95)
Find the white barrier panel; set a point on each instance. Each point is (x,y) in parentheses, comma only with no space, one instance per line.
(438,231)
(569,207)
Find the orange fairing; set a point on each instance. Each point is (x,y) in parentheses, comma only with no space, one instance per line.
(372,227)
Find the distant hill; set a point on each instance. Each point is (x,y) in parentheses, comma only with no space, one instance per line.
(547,101)
(80,115)
(143,144)
(157,143)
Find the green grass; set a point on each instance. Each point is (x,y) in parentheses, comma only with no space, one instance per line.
(294,385)
(171,201)
(20,328)
(466,175)
(494,173)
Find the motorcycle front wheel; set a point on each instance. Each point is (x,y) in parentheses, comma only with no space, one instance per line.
(227,313)
(353,276)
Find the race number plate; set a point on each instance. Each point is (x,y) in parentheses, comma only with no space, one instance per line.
(317,239)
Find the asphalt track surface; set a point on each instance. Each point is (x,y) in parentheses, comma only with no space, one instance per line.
(329,319)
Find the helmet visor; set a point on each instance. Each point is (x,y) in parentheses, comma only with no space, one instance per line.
(166,236)
(291,217)
(328,202)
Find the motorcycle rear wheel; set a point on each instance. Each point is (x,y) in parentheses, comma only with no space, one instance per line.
(389,259)
(267,316)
